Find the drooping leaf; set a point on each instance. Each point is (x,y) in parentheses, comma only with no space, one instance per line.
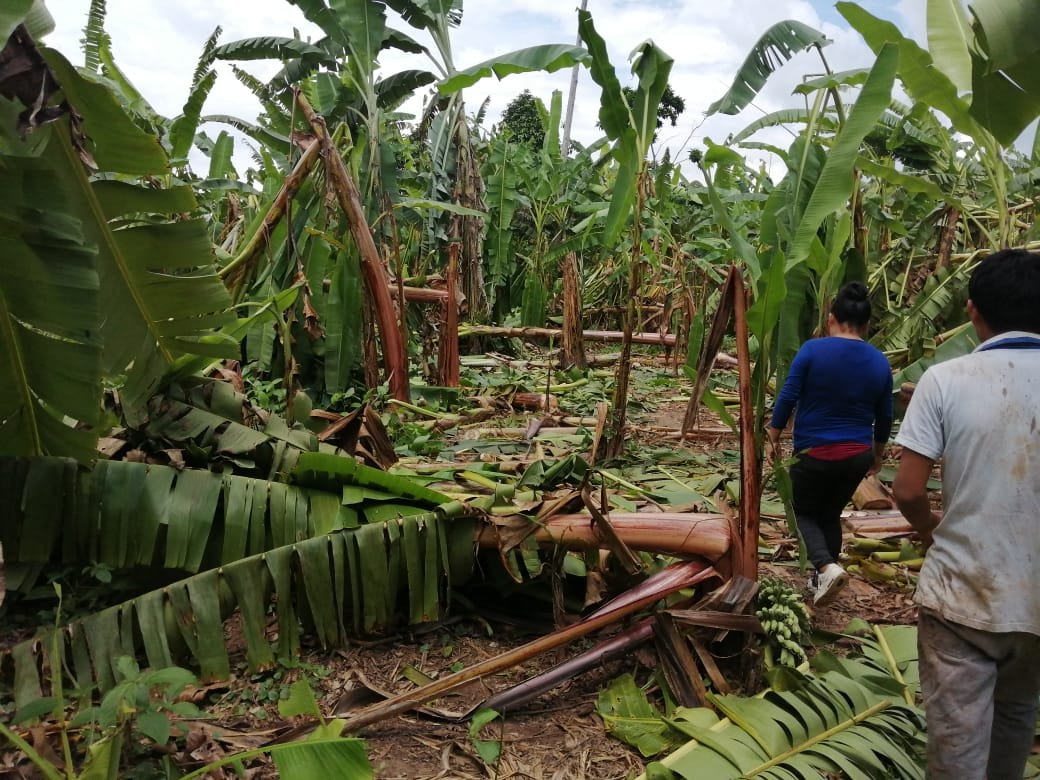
(268,48)
(963,341)
(776,46)
(159,295)
(342,579)
(834,186)
(950,39)
(548,57)
(784,116)
(400,86)
(184,127)
(50,317)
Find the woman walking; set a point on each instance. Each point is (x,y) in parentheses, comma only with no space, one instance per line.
(842,388)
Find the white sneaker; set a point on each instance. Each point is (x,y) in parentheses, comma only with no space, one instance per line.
(829,583)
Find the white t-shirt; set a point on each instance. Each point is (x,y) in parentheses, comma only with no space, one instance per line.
(980,413)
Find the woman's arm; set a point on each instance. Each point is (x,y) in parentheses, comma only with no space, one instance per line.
(789,394)
(786,400)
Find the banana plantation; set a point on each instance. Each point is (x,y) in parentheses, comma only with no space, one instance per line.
(341,440)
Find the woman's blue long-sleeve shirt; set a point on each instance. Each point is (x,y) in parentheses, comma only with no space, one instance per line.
(843,390)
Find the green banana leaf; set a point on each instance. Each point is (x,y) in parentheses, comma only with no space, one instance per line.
(629,124)
(939,300)
(915,184)
(845,78)
(834,187)
(324,753)
(184,127)
(848,718)
(50,317)
(12,14)
(125,514)
(270,48)
(777,45)
(159,295)
(921,78)
(364,24)
(963,341)
(950,41)
(1006,83)
(548,57)
(502,177)
(785,116)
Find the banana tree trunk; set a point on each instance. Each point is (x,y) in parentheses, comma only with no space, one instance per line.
(573,344)
(619,414)
(746,561)
(395,358)
(448,345)
(951,216)
(556,334)
(469,192)
(236,272)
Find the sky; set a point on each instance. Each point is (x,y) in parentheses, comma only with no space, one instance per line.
(156,43)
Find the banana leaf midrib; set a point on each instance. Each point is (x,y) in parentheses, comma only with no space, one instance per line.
(855,720)
(28,406)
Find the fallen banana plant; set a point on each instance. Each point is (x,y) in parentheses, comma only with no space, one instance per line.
(125,514)
(621,644)
(674,578)
(343,582)
(681,534)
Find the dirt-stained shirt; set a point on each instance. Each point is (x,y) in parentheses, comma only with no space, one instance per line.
(980,413)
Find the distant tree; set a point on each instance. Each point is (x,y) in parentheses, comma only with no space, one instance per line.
(671,106)
(524,118)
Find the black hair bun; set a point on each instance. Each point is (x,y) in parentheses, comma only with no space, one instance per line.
(855,291)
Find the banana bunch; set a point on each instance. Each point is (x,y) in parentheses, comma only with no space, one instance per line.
(785,621)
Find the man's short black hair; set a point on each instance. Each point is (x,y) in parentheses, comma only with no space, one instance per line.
(1005,288)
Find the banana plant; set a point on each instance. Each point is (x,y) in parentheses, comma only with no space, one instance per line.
(155,295)
(452,146)
(534,199)
(1004,97)
(630,123)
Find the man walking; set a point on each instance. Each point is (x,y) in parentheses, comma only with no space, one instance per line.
(979,623)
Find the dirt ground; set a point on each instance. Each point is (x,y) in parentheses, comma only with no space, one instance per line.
(558,736)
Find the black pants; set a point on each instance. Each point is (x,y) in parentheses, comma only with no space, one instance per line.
(822,488)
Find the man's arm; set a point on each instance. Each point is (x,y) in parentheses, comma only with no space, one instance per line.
(910,490)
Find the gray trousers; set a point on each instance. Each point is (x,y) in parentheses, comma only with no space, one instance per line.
(980,697)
